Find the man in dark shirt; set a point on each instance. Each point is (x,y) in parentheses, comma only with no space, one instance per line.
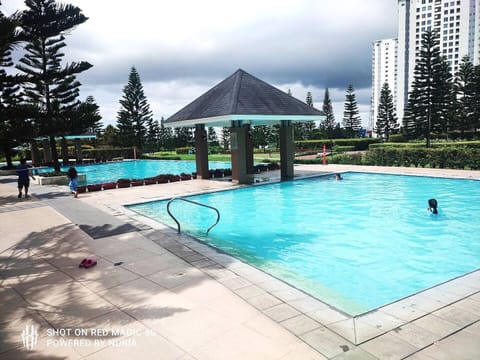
(24,175)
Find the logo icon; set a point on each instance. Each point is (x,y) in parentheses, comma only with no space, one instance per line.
(30,337)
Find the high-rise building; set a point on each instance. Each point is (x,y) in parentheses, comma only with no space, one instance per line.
(384,70)
(458,24)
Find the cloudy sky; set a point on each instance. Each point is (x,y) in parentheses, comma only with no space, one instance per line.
(182,48)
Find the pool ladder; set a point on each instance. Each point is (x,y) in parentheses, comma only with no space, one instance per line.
(191,202)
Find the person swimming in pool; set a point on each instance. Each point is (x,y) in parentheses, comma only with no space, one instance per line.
(338,177)
(432,206)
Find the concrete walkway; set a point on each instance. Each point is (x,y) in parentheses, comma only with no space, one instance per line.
(156,294)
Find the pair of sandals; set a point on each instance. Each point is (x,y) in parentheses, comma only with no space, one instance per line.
(87,263)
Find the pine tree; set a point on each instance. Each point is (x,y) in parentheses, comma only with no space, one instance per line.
(165,136)
(52,87)
(309,126)
(212,136)
(13,124)
(351,121)
(225,139)
(261,135)
(476,98)
(110,136)
(153,134)
(465,94)
(183,137)
(96,118)
(329,123)
(309,99)
(134,112)
(386,123)
(429,101)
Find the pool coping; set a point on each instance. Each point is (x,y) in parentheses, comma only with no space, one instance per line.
(304,315)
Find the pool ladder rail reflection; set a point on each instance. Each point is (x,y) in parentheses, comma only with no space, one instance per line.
(195,203)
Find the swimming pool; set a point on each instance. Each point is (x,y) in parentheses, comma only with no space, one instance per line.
(356,244)
(137,169)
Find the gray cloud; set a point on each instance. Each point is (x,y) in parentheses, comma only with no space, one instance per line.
(316,44)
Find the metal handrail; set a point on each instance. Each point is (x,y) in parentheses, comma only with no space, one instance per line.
(192,202)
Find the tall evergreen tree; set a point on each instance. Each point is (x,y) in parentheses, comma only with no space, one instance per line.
(165,136)
(212,136)
(225,138)
(465,94)
(309,99)
(309,126)
(429,101)
(351,119)
(153,134)
(110,136)
(476,98)
(183,136)
(52,87)
(261,135)
(386,123)
(13,124)
(134,113)
(329,123)
(93,111)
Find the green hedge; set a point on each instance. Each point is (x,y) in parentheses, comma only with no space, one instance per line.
(337,148)
(443,157)
(185,150)
(436,144)
(161,157)
(357,143)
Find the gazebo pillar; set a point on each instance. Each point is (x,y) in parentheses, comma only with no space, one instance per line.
(64,151)
(238,140)
(47,151)
(249,150)
(34,153)
(78,151)
(287,150)
(201,152)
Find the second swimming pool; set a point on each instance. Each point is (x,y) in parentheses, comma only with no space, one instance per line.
(356,244)
(137,169)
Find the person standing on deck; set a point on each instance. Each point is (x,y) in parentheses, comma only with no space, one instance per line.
(24,175)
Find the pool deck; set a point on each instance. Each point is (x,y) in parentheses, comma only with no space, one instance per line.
(158,294)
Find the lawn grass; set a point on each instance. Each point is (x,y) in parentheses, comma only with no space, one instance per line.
(258,157)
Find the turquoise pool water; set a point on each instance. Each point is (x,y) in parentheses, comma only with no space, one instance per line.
(356,244)
(139,169)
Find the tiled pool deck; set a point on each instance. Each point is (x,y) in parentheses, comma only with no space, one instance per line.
(181,299)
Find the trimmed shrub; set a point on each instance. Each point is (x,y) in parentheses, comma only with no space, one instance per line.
(161,157)
(357,143)
(185,150)
(338,148)
(443,158)
(397,138)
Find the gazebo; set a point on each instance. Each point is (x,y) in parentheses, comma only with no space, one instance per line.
(238,102)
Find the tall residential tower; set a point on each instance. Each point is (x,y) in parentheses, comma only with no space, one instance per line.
(458,23)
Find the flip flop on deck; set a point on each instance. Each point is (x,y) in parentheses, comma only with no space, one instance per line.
(87,263)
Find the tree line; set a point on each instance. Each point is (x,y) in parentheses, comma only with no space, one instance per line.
(439,104)
(39,95)
(135,125)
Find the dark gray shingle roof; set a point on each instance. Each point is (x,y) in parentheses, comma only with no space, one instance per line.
(242,94)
